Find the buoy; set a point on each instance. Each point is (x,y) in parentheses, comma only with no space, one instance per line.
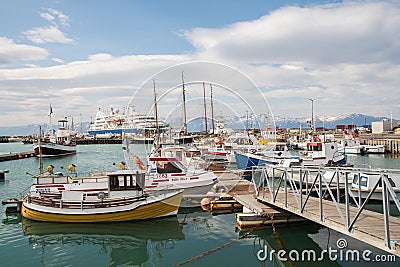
(122,165)
(20,156)
(205,201)
(50,168)
(71,167)
(138,162)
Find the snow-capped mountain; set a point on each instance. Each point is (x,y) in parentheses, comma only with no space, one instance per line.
(234,122)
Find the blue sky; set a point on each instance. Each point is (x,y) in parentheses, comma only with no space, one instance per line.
(82,55)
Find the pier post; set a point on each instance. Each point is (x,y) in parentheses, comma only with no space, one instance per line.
(321,213)
(346,197)
(386,208)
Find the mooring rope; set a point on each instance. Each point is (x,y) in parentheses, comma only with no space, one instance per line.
(267,216)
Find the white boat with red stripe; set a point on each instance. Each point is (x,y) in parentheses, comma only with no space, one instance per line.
(173,170)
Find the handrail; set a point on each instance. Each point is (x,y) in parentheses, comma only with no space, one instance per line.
(84,204)
(286,184)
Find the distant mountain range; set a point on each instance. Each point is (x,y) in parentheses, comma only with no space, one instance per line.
(231,122)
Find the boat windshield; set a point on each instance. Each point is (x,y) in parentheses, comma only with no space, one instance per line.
(169,167)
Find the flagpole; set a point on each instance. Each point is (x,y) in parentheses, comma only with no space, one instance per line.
(50,126)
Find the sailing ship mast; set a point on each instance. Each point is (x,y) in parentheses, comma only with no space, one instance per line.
(205,109)
(184,107)
(156,112)
(40,150)
(212,111)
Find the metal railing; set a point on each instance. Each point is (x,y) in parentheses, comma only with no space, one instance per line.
(303,183)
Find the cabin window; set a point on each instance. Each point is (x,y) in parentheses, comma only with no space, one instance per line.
(364,181)
(355,179)
(168,167)
(122,182)
(179,155)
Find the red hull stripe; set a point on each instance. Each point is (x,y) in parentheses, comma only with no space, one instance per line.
(151,186)
(158,181)
(178,174)
(194,178)
(163,159)
(216,153)
(47,186)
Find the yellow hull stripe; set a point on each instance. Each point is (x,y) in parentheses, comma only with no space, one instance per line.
(160,208)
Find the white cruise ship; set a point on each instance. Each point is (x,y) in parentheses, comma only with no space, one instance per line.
(129,122)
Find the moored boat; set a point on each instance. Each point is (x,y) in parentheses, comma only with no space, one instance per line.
(170,169)
(374,149)
(63,143)
(323,153)
(107,197)
(351,146)
(128,122)
(363,183)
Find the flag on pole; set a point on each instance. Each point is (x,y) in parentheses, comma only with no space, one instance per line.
(51,109)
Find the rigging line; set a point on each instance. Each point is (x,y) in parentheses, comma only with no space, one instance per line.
(268,216)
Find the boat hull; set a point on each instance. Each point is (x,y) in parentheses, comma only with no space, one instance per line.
(247,161)
(376,195)
(145,210)
(193,194)
(54,150)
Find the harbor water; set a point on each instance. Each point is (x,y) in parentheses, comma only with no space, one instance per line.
(161,242)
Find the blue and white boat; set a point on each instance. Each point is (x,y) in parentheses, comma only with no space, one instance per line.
(271,154)
(129,122)
(317,154)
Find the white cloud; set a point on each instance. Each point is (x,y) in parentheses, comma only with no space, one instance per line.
(53,32)
(11,52)
(47,16)
(52,14)
(50,34)
(346,55)
(58,60)
(101,57)
(324,34)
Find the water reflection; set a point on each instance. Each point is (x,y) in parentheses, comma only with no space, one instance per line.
(318,240)
(126,243)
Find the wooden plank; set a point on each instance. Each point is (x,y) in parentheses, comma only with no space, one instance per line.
(369,227)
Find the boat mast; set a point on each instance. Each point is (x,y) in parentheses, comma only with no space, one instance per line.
(155,111)
(312,115)
(40,150)
(184,107)
(205,109)
(212,110)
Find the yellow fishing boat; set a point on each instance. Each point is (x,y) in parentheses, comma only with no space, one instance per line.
(110,197)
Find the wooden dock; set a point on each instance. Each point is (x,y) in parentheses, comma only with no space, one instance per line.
(369,227)
(254,212)
(16,155)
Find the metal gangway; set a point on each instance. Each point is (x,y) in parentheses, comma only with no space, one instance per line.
(324,195)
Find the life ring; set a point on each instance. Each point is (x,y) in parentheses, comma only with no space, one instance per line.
(138,162)
(101,195)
